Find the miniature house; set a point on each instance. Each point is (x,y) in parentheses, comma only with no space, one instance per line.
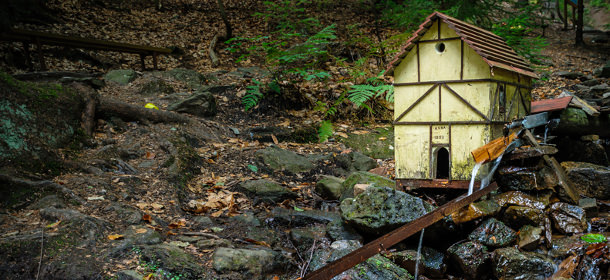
(455,86)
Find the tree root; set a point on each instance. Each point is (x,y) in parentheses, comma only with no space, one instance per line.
(41,184)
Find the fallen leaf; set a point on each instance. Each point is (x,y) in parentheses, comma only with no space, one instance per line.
(157,206)
(54,225)
(115,236)
(147,218)
(274,139)
(150,155)
(383,138)
(342,134)
(178,224)
(360,132)
(262,243)
(141,230)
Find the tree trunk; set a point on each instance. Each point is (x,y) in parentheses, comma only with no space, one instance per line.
(225,19)
(579,24)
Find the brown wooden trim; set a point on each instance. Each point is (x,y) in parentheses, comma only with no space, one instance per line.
(430,161)
(416,102)
(467,103)
(495,99)
(438,25)
(440,40)
(440,111)
(418,64)
(461,60)
(450,123)
(410,184)
(450,151)
(461,81)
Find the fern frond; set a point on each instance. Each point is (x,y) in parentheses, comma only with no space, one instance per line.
(253,96)
(326,130)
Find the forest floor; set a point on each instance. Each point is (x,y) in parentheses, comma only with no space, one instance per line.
(223,146)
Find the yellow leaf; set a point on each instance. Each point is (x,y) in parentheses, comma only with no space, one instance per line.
(115,236)
(342,134)
(54,225)
(141,230)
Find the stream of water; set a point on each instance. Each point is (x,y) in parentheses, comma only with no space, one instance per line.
(475,170)
(421,239)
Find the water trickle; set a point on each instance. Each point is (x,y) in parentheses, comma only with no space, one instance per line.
(546,131)
(475,170)
(421,239)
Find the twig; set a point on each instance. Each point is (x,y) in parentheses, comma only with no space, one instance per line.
(41,253)
(313,248)
(201,234)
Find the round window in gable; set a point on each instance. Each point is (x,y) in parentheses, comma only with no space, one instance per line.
(440,47)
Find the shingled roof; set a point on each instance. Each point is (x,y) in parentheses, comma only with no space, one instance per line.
(491,47)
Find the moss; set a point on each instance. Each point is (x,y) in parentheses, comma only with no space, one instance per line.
(375,144)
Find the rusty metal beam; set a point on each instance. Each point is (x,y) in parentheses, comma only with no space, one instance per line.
(385,242)
(409,184)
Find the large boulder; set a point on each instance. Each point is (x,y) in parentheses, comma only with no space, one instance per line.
(380,209)
(363,177)
(568,218)
(510,263)
(201,103)
(265,190)
(330,187)
(493,233)
(278,159)
(525,179)
(518,216)
(172,259)
(571,149)
(529,237)
(476,210)
(375,268)
(590,179)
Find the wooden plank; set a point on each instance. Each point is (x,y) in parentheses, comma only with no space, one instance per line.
(385,242)
(564,182)
(493,149)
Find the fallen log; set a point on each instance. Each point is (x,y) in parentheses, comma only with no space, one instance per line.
(129,112)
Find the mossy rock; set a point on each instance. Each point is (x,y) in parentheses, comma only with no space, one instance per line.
(121,76)
(173,260)
(378,144)
(363,177)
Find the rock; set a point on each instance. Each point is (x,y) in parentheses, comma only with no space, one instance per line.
(213,243)
(589,179)
(376,267)
(265,190)
(569,75)
(305,238)
(330,187)
(567,245)
(122,77)
(493,233)
(362,177)
(581,151)
(48,201)
(604,71)
(600,89)
(526,179)
(381,209)
(247,218)
(355,161)
(589,205)
(129,275)
(339,230)
(529,237)
(377,144)
(476,210)
(202,221)
(155,88)
(201,103)
(518,216)
(568,218)
(509,263)
(278,159)
(471,259)
(591,82)
(302,218)
(192,78)
(430,262)
(253,262)
(125,213)
(521,199)
(573,118)
(173,260)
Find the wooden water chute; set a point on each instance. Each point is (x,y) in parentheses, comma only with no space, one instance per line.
(456,86)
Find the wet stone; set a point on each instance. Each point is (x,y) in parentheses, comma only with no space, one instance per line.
(518,216)
(589,205)
(521,199)
(304,238)
(568,218)
(589,179)
(493,233)
(567,245)
(471,259)
(380,209)
(330,187)
(376,267)
(510,263)
(483,208)
(430,264)
(578,150)
(526,179)
(529,237)
(339,230)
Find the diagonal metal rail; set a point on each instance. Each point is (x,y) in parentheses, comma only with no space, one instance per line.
(385,242)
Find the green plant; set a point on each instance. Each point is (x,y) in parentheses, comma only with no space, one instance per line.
(374,88)
(325,130)
(153,269)
(253,95)
(517,30)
